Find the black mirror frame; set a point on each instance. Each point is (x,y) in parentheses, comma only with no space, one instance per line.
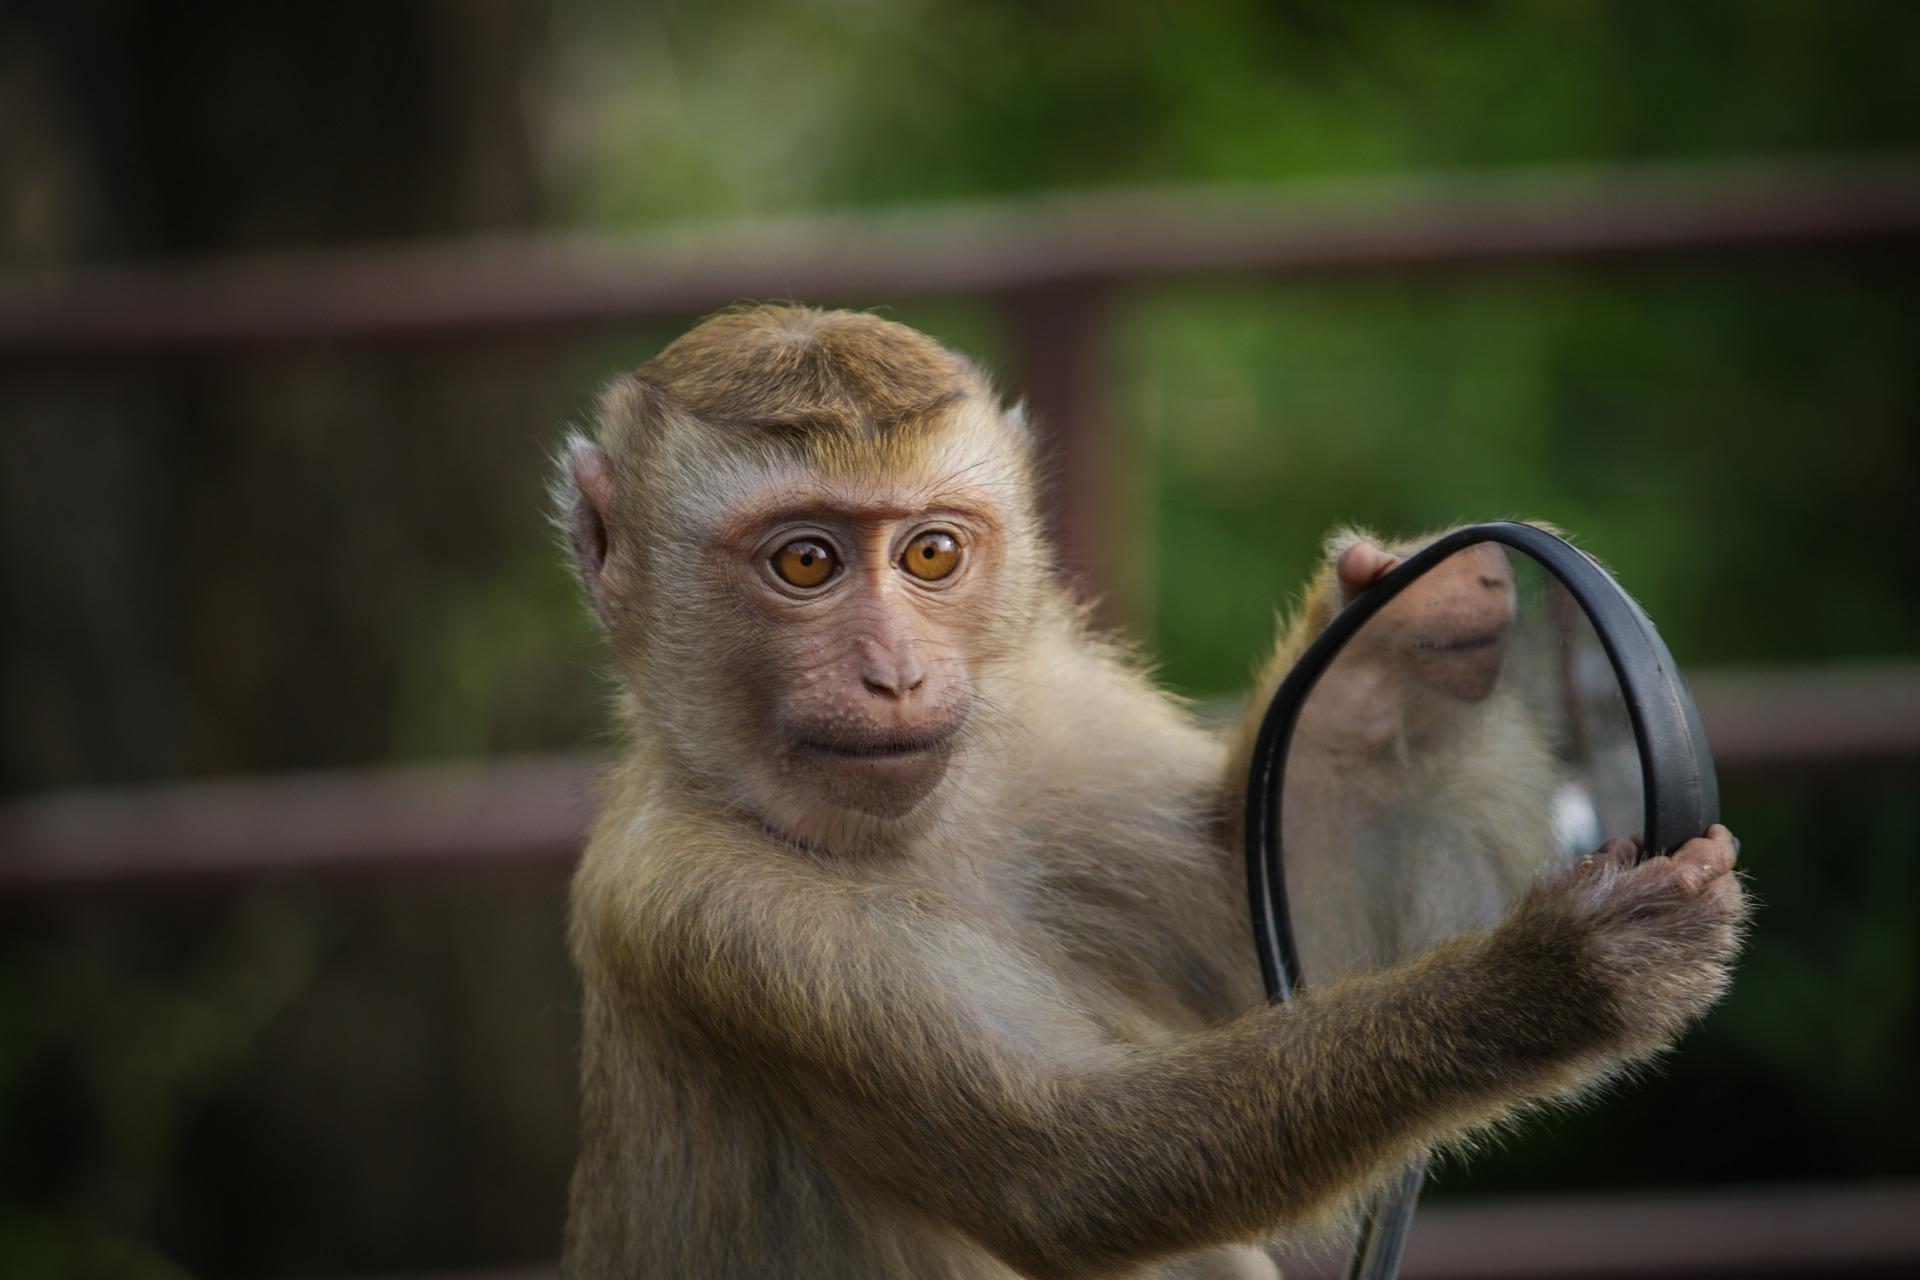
(1676,768)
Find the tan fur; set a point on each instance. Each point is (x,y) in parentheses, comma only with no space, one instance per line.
(1016,1029)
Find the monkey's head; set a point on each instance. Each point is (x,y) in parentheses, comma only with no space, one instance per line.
(1429,656)
(810,537)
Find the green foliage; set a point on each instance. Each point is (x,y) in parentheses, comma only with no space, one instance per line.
(768,106)
(1707,436)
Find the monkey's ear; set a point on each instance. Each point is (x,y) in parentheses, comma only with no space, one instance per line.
(586,489)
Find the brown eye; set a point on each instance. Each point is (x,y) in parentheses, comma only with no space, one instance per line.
(804,562)
(932,556)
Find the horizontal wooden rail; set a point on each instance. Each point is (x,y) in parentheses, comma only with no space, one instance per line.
(529,813)
(1784,719)
(512,813)
(1752,1232)
(1032,247)
(1758,1233)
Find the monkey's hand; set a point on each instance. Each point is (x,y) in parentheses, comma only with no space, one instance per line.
(1658,938)
(1358,564)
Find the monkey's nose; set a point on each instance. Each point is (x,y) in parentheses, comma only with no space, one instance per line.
(890,675)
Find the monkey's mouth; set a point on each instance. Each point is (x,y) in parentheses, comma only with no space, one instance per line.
(884,771)
(1468,644)
(885,774)
(882,748)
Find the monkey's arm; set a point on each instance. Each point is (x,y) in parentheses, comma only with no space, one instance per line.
(929,1063)
(1321,600)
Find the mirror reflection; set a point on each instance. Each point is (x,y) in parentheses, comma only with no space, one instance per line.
(1470,736)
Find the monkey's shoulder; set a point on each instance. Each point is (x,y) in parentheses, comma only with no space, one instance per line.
(1109,742)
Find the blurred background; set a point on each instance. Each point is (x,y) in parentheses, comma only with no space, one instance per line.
(299,696)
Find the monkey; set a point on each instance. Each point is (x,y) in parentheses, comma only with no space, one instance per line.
(1420,782)
(911,938)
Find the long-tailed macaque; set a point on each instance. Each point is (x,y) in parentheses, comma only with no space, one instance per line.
(1420,783)
(913,931)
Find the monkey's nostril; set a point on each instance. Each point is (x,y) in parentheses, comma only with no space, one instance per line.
(1491,583)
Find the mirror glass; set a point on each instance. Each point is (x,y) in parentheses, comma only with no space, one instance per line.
(1468,737)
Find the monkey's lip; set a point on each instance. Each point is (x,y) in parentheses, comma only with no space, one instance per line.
(887,747)
(1468,644)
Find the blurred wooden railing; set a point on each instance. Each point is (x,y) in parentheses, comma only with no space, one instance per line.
(1072,242)
(1776,1233)
(1049,264)
(1866,1232)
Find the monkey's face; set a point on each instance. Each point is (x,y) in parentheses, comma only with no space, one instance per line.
(864,612)
(1451,626)
(813,542)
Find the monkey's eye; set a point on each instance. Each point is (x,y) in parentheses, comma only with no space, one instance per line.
(805,562)
(932,556)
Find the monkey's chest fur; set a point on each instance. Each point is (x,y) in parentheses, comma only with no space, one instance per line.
(695,1163)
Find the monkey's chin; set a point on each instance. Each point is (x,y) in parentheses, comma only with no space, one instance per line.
(835,800)
(1467,669)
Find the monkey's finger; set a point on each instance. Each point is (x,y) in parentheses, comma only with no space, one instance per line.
(1719,831)
(1620,853)
(1614,853)
(1361,565)
(1706,859)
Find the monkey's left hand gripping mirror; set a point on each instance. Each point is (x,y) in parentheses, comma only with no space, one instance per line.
(1494,707)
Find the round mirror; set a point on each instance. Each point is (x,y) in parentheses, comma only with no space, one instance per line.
(1491,710)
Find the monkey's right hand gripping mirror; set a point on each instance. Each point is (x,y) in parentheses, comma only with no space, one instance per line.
(1494,707)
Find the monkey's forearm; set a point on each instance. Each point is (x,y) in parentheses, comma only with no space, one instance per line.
(1288,1111)
(1061,1166)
